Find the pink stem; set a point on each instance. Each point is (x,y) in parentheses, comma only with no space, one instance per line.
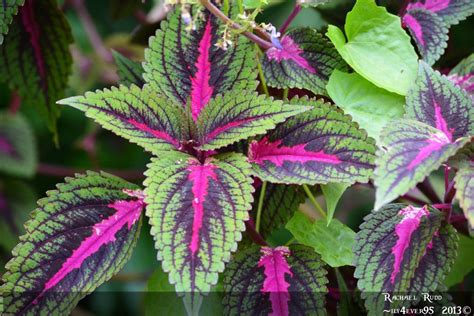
(442,206)
(291,17)
(450,192)
(253,234)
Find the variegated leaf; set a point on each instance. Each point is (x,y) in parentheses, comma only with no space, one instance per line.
(303,58)
(197,212)
(8,9)
(17,146)
(183,61)
(278,281)
(451,11)
(239,115)
(402,250)
(35,59)
(139,115)
(464,183)
(463,74)
(429,32)
(438,102)
(129,71)
(79,237)
(279,204)
(319,146)
(410,152)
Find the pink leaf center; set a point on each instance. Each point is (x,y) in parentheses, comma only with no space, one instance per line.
(201,90)
(158,134)
(431,5)
(199,175)
(264,150)
(415,26)
(289,51)
(404,230)
(275,268)
(435,143)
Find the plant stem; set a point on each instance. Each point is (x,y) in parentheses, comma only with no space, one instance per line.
(61,172)
(442,206)
(15,102)
(428,191)
(91,30)
(262,78)
(290,18)
(446,177)
(313,200)
(219,14)
(254,235)
(285,93)
(261,198)
(450,192)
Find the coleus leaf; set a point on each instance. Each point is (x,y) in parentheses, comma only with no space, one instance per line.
(312,3)
(197,212)
(451,11)
(7,11)
(319,146)
(183,61)
(389,64)
(411,151)
(463,74)
(332,194)
(438,102)
(333,242)
(368,105)
(79,236)
(129,71)
(464,262)
(303,58)
(139,115)
(464,183)
(235,116)
(17,146)
(279,204)
(278,281)
(35,59)
(429,32)
(402,250)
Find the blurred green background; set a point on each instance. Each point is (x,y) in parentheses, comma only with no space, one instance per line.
(123,26)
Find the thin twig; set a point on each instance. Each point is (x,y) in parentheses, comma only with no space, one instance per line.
(219,14)
(313,200)
(450,192)
(260,205)
(61,172)
(91,30)
(291,17)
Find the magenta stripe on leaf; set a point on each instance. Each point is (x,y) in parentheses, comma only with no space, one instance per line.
(289,51)
(201,90)
(435,143)
(31,27)
(415,26)
(221,129)
(264,150)
(158,134)
(431,5)
(275,269)
(409,223)
(199,176)
(127,214)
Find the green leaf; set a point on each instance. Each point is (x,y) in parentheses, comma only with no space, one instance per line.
(332,193)
(79,236)
(7,11)
(139,115)
(370,106)
(333,242)
(404,250)
(239,115)
(281,201)
(312,3)
(377,47)
(129,71)
(197,212)
(464,183)
(254,4)
(17,200)
(17,146)
(464,262)
(35,59)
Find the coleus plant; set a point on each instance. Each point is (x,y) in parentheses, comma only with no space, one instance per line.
(228,161)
